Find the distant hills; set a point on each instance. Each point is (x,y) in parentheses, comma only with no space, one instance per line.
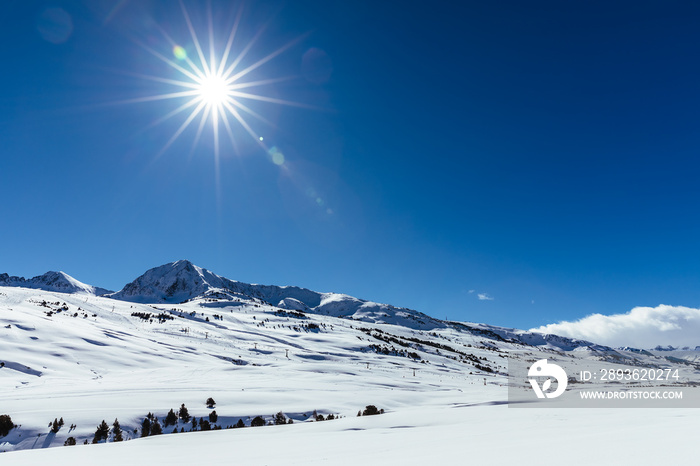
(182,281)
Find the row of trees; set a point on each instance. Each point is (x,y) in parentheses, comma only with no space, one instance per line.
(152,426)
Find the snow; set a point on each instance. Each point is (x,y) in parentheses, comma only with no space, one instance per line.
(87,358)
(53,281)
(182,281)
(462,435)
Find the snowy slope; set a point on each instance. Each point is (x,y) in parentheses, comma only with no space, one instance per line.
(86,359)
(422,435)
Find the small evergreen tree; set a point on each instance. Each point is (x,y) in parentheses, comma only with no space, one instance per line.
(210,402)
(194,423)
(257,422)
(117,430)
(146,427)
(170,419)
(184,414)
(213,417)
(69,441)
(55,427)
(240,423)
(6,425)
(204,425)
(156,429)
(60,422)
(370,410)
(101,433)
(280,419)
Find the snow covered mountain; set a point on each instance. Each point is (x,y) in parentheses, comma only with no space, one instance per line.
(53,281)
(182,281)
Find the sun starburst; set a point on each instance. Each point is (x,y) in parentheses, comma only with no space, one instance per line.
(213,89)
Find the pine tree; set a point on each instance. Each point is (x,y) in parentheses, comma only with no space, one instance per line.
(204,425)
(101,433)
(184,414)
(170,419)
(370,410)
(280,419)
(213,417)
(55,427)
(156,429)
(6,425)
(210,402)
(69,441)
(60,422)
(146,427)
(117,430)
(257,421)
(240,423)
(194,423)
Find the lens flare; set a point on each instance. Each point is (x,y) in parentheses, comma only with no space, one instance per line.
(179,52)
(277,155)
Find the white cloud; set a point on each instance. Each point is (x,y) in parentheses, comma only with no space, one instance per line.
(484,297)
(642,327)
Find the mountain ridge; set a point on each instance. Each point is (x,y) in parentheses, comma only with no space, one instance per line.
(182,281)
(53,281)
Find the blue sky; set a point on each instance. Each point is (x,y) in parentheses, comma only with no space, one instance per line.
(541,155)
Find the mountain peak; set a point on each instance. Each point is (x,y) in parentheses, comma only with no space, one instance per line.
(53,281)
(182,264)
(181,281)
(172,282)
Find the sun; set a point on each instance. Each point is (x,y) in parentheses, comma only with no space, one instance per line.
(212,87)
(214,90)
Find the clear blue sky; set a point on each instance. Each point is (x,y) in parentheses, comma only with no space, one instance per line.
(542,154)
